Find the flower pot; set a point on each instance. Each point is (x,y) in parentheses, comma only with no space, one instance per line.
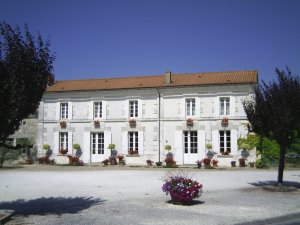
(233,163)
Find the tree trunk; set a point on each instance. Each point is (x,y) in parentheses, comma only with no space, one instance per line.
(281,164)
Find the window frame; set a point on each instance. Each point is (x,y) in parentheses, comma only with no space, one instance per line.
(133,140)
(133,108)
(190,142)
(224,106)
(225,141)
(97,143)
(64,110)
(63,140)
(190,107)
(99,112)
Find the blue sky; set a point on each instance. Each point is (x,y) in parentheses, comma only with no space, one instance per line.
(115,38)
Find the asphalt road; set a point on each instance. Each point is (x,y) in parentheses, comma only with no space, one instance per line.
(96,195)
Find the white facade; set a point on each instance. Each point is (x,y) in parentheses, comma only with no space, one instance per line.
(204,104)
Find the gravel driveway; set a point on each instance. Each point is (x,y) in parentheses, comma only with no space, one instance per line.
(97,195)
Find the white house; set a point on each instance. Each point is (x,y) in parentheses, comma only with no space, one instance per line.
(159,106)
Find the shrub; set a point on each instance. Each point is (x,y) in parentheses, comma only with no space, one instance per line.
(168,147)
(260,164)
(76,146)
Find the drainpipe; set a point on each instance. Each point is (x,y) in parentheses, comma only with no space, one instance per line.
(159,96)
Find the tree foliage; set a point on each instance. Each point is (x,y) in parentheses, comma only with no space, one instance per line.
(25,72)
(274,112)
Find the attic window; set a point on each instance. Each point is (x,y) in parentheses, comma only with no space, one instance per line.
(140,84)
(106,81)
(228,81)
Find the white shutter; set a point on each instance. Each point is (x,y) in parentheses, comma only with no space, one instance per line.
(232,106)
(55,147)
(126,109)
(104,106)
(178,150)
(201,144)
(57,111)
(216,106)
(70,143)
(124,142)
(140,109)
(182,107)
(141,142)
(107,141)
(90,110)
(86,151)
(234,147)
(70,110)
(215,141)
(197,107)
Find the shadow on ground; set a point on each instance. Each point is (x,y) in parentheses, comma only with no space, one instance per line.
(193,202)
(270,185)
(43,206)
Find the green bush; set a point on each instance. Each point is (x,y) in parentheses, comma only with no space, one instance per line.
(260,164)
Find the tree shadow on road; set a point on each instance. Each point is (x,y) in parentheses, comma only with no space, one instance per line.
(271,185)
(43,206)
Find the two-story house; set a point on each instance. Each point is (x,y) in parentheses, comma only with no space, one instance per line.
(140,115)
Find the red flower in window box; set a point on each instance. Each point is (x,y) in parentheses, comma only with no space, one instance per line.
(63,124)
(96,123)
(132,122)
(224,122)
(63,151)
(189,122)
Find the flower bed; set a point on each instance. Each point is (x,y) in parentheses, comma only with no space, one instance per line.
(181,188)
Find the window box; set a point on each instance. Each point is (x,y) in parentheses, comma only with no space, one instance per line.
(63,124)
(132,152)
(224,122)
(96,123)
(63,151)
(189,122)
(132,123)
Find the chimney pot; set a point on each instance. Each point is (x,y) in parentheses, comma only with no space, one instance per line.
(168,77)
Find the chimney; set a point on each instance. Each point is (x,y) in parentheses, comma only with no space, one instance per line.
(168,77)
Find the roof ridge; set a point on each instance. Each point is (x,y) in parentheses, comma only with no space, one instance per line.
(148,76)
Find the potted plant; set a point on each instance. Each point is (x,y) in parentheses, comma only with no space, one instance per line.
(181,188)
(214,163)
(63,124)
(169,154)
(149,162)
(46,147)
(170,162)
(158,163)
(206,162)
(77,148)
(242,162)
(63,151)
(105,162)
(199,164)
(208,146)
(111,147)
(132,122)
(121,159)
(224,122)
(189,122)
(233,163)
(96,123)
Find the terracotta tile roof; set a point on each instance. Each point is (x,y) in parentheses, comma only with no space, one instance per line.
(192,79)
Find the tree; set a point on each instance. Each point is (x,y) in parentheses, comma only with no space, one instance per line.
(274,112)
(26,71)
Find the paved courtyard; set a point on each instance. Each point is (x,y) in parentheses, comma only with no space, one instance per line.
(97,195)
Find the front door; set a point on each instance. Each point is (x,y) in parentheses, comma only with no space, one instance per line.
(190,142)
(97,147)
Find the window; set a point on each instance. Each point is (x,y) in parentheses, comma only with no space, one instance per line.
(225,106)
(225,142)
(63,140)
(133,141)
(133,108)
(97,143)
(64,110)
(190,142)
(97,109)
(190,107)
